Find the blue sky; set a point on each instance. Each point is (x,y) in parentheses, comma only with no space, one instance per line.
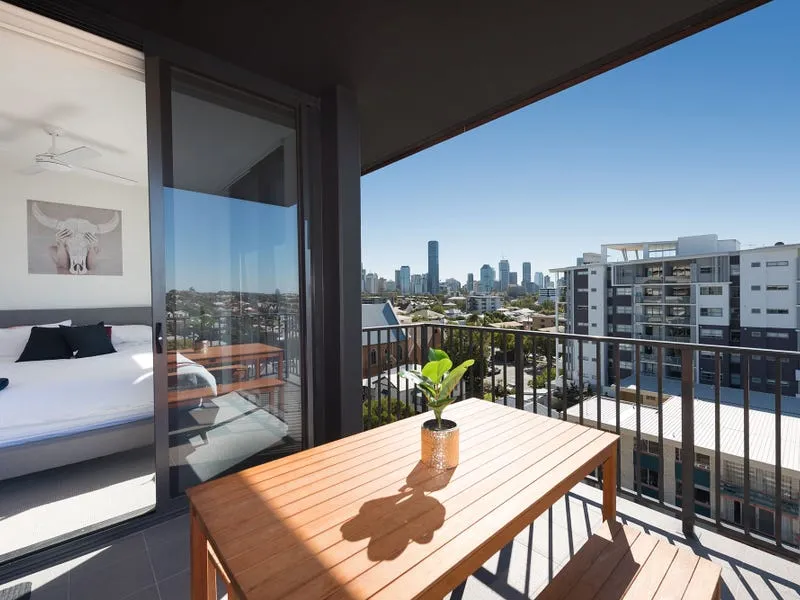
(702,136)
(228,244)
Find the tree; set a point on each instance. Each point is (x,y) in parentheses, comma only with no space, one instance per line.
(382,411)
(463,344)
(547,307)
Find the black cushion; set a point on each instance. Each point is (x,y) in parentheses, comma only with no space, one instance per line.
(45,343)
(88,340)
(3,383)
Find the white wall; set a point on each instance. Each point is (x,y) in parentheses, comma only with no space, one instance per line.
(763,276)
(722,302)
(19,290)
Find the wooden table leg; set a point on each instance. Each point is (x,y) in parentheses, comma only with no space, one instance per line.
(203,576)
(610,485)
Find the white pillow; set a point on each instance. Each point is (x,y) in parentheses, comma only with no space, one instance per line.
(131,334)
(13,339)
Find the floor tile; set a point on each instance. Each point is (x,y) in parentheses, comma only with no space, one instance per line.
(148,593)
(168,558)
(168,531)
(175,587)
(104,579)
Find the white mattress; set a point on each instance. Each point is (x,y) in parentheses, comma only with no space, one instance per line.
(54,398)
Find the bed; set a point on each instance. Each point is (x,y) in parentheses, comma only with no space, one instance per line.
(60,412)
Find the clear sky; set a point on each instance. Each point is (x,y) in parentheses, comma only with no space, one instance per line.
(702,136)
(227,244)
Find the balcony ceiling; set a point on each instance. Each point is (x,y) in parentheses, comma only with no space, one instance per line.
(425,71)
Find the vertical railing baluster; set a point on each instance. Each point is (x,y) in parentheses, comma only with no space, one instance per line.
(617,385)
(535,373)
(778,465)
(483,363)
(746,442)
(505,367)
(461,358)
(637,476)
(580,379)
(717,450)
(369,381)
(564,404)
(598,382)
(406,382)
(549,355)
(660,413)
(687,442)
(519,371)
(397,351)
(380,372)
(470,350)
(493,364)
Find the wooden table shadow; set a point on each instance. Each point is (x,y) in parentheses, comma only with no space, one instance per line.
(393,522)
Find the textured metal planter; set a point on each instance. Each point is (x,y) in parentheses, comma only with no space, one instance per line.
(439,446)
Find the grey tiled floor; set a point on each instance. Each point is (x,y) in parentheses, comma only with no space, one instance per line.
(153,565)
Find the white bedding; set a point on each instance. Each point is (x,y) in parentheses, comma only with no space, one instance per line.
(55,398)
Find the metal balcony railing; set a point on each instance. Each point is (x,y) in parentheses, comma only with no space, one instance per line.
(565,384)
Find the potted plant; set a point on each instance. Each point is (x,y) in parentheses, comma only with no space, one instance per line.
(437,380)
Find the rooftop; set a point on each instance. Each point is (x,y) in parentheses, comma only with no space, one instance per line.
(762,427)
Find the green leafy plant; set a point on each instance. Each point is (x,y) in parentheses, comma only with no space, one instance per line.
(438,379)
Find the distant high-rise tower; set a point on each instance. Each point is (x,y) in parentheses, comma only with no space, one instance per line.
(538,279)
(487,279)
(548,283)
(512,278)
(504,269)
(405,279)
(470,283)
(433,267)
(526,273)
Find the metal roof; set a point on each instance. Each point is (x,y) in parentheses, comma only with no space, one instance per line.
(762,427)
(380,315)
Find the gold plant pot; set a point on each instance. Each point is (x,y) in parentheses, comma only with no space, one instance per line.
(439,446)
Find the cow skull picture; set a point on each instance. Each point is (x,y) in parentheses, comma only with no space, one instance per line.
(77,240)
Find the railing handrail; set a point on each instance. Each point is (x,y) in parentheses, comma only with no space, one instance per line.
(602,338)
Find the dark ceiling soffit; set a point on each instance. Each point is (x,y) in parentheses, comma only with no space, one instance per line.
(665,37)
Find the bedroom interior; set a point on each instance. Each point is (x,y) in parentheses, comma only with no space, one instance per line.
(78,418)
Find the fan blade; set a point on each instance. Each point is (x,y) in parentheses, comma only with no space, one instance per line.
(78,155)
(33,169)
(106,176)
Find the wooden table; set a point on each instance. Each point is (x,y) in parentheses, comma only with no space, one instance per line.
(362,518)
(229,355)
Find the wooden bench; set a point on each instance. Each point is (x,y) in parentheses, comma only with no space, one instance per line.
(623,562)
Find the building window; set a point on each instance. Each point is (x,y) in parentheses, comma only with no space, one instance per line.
(582,324)
(582,307)
(777,263)
(777,288)
(755,311)
(624,310)
(594,324)
(711,290)
(623,291)
(707,354)
(756,357)
(649,477)
(781,335)
(710,312)
(594,289)
(706,270)
(593,272)
(736,379)
(373,356)
(625,364)
(755,380)
(755,288)
(755,334)
(755,264)
(702,496)
(777,311)
(594,307)
(584,290)
(649,447)
(623,328)
(710,333)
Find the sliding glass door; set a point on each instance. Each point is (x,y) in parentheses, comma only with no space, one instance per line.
(232,331)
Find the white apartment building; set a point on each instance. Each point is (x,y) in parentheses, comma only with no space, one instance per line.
(762,459)
(694,289)
(483,303)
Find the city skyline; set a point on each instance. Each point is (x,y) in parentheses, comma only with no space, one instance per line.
(689,139)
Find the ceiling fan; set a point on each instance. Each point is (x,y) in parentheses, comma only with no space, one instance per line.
(71,160)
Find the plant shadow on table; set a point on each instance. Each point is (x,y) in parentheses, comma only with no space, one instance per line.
(393,522)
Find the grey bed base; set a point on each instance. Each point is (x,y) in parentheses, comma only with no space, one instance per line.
(34,457)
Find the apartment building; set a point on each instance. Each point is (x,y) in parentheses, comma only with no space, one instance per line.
(653,479)
(483,303)
(694,289)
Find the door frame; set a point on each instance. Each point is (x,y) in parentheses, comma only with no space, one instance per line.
(159,141)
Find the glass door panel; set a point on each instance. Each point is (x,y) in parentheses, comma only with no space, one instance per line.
(233,326)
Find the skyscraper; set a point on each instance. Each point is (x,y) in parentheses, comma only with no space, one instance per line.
(538,279)
(504,270)
(526,273)
(548,283)
(487,279)
(433,267)
(512,278)
(405,280)
(470,283)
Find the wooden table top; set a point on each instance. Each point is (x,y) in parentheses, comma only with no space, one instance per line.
(363,518)
(231,351)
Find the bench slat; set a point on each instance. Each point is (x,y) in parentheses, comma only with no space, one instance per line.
(622,562)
